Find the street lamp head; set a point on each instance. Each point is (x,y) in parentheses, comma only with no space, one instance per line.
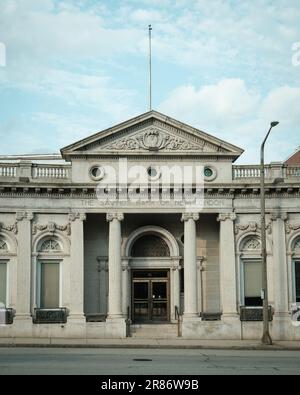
(275,123)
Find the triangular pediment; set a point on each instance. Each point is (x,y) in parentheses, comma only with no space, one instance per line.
(149,134)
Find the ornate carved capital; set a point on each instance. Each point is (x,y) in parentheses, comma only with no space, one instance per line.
(289,228)
(77,216)
(10,228)
(125,265)
(111,216)
(277,214)
(21,215)
(102,263)
(226,216)
(200,260)
(176,264)
(187,216)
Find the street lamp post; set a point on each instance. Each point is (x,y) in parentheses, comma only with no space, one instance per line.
(266,338)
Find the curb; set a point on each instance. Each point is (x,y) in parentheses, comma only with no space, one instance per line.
(275,347)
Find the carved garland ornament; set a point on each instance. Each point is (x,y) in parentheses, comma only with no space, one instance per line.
(289,228)
(51,227)
(153,140)
(252,227)
(10,228)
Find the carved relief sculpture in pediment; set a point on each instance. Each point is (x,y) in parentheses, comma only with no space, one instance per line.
(153,140)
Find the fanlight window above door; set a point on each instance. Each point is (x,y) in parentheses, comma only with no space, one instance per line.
(150,246)
(3,246)
(50,245)
(297,245)
(251,244)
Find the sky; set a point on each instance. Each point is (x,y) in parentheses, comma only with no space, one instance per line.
(72,68)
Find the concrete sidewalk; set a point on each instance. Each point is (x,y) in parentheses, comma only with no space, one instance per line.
(178,343)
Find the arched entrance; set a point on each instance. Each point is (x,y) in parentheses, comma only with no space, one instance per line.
(152,252)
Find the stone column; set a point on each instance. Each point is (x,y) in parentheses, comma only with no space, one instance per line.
(176,285)
(77,267)
(23,303)
(103,284)
(114,266)
(280,266)
(190,266)
(125,286)
(228,280)
(200,260)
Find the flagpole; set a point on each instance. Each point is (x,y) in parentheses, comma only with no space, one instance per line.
(150,68)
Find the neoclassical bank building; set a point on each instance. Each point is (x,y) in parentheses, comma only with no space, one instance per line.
(97,243)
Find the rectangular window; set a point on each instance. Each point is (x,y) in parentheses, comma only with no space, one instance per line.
(49,285)
(253,283)
(297,281)
(3,279)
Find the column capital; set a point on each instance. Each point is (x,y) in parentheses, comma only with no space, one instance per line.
(200,260)
(187,216)
(102,263)
(74,216)
(226,216)
(125,265)
(278,214)
(111,216)
(21,215)
(175,264)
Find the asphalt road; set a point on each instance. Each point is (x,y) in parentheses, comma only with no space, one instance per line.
(115,361)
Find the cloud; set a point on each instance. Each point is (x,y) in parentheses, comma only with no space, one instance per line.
(283,103)
(228,100)
(224,66)
(234,112)
(59,30)
(146,16)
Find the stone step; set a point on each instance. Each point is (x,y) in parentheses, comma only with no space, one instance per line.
(154,331)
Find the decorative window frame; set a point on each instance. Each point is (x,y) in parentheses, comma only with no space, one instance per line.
(39,257)
(7,296)
(293,257)
(42,236)
(245,257)
(9,258)
(40,262)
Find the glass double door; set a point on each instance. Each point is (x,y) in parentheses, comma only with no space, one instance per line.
(150,300)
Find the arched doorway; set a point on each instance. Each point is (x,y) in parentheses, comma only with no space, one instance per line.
(151,251)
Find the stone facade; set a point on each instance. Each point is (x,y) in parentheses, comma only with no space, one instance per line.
(107,250)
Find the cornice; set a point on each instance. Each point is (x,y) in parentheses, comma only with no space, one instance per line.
(88,191)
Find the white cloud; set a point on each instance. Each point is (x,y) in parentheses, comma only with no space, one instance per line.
(146,16)
(283,103)
(229,100)
(233,60)
(63,31)
(233,112)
